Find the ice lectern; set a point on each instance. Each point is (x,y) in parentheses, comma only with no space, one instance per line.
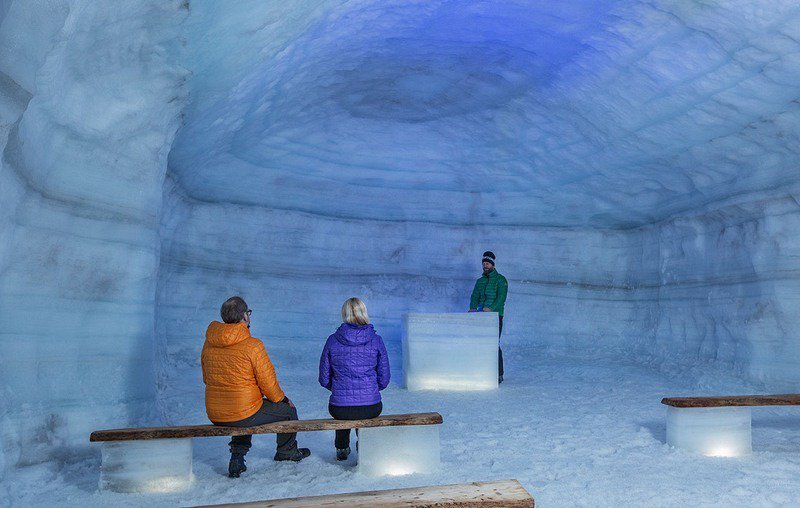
(450,351)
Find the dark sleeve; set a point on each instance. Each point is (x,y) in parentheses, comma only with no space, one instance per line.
(384,372)
(325,366)
(473,299)
(502,292)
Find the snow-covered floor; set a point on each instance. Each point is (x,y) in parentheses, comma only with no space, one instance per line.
(573,432)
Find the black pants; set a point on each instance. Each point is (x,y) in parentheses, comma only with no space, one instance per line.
(500,351)
(269,412)
(352,413)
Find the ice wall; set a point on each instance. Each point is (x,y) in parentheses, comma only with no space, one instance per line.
(729,289)
(569,287)
(90,104)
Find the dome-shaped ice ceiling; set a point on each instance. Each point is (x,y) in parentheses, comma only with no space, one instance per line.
(601,113)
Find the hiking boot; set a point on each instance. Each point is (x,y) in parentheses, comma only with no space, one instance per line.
(236,466)
(342,453)
(295,455)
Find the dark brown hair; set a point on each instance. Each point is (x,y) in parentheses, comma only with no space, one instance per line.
(233,309)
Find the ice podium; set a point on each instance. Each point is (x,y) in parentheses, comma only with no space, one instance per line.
(450,351)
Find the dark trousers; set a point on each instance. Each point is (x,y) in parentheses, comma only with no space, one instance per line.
(352,413)
(500,351)
(269,412)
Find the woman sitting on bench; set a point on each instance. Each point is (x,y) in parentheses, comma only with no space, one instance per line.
(355,368)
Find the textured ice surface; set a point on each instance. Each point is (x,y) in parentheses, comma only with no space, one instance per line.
(398,450)
(450,351)
(89,105)
(603,113)
(633,163)
(727,289)
(714,431)
(155,465)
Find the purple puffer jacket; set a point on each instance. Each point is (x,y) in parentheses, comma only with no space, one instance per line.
(354,366)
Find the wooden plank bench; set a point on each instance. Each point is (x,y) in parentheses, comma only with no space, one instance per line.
(504,493)
(160,458)
(717,426)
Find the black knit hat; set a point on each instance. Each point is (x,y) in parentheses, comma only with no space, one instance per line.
(488,256)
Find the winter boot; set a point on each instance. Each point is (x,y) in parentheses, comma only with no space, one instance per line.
(236,466)
(342,453)
(295,455)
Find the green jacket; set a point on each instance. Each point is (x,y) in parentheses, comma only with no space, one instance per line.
(490,291)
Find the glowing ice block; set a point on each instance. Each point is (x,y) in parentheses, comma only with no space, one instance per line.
(398,450)
(715,431)
(450,351)
(157,465)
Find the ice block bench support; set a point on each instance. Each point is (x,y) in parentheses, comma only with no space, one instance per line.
(504,493)
(718,426)
(160,458)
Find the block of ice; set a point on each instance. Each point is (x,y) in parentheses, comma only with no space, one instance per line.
(158,465)
(398,450)
(455,351)
(715,431)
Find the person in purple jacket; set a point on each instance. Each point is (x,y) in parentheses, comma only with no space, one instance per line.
(355,368)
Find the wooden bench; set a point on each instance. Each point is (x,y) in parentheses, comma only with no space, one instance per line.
(717,426)
(504,493)
(160,458)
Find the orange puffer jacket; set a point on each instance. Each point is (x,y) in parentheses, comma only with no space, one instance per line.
(237,372)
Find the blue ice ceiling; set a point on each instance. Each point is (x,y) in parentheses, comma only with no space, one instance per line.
(603,114)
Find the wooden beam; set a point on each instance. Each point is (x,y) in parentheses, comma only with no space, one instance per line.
(504,493)
(270,428)
(789,399)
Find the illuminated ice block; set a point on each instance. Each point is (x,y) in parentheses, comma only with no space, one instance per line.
(715,431)
(157,465)
(398,450)
(450,351)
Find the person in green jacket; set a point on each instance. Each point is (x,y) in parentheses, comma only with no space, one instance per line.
(489,295)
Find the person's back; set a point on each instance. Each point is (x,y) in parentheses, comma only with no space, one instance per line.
(233,388)
(241,387)
(359,367)
(354,366)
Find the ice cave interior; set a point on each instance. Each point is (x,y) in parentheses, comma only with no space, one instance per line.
(632,163)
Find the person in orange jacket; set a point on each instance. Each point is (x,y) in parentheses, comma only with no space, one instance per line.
(241,387)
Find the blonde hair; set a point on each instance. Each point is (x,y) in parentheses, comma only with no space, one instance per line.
(355,312)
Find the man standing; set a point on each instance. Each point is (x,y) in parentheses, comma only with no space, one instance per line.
(489,295)
(241,387)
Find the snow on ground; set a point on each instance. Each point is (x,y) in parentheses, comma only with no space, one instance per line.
(573,431)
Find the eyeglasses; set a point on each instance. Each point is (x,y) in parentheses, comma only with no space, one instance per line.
(249,311)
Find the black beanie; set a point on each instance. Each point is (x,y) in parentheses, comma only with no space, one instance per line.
(488,256)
